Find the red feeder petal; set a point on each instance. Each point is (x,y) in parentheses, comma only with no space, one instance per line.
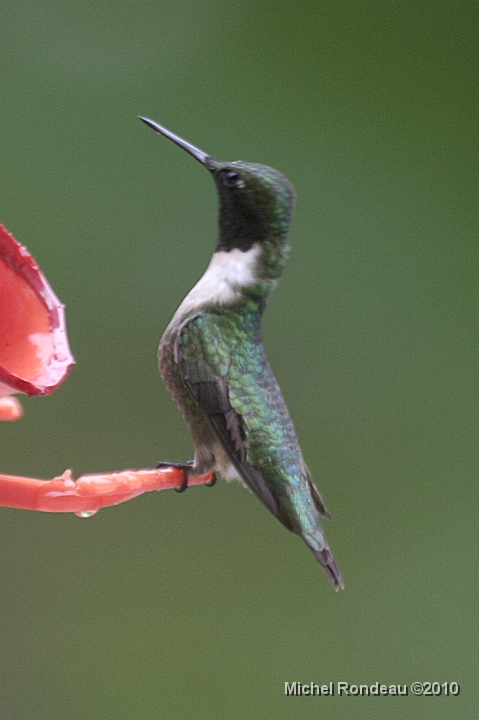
(34,353)
(10,408)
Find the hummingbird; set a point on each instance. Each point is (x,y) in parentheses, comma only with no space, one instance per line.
(213,361)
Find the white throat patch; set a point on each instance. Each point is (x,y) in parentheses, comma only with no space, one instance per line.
(225,277)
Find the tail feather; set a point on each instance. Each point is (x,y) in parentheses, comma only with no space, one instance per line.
(325,558)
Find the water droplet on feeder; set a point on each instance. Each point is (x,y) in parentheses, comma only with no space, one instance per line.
(86,513)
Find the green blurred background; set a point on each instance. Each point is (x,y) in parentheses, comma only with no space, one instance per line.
(202,605)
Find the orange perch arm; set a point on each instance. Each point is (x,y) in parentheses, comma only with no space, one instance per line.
(89,493)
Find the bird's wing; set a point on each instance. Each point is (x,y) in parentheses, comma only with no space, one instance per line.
(317,499)
(203,359)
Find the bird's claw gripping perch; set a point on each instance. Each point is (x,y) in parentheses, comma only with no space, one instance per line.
(185,467)
(187,470)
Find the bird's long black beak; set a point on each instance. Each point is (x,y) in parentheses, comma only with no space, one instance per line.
(191,149)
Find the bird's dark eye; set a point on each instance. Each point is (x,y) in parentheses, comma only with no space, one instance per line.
(232,179)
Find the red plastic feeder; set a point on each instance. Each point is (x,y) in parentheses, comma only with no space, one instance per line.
(34,359)
(34,353)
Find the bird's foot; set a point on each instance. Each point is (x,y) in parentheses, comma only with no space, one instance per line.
(186,467)
(212,482)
